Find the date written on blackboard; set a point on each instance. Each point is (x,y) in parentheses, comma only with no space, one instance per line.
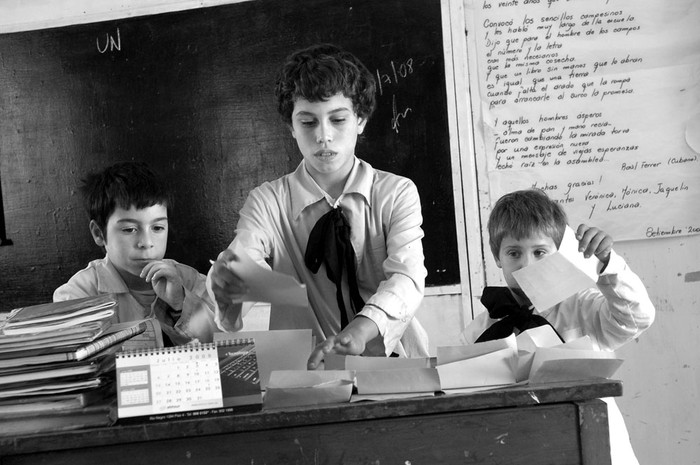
(399,72)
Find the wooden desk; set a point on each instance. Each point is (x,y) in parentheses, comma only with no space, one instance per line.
(548,424)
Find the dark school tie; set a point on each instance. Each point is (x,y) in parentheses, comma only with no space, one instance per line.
(329,243)
(511,315)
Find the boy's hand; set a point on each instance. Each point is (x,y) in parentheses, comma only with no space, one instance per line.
(166,282)
(593,241)
(350,341)
(227,286)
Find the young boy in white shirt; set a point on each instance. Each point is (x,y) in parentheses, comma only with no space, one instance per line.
(128,209)
(352,234)
(524,227)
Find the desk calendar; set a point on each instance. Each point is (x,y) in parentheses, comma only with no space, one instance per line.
(187,378)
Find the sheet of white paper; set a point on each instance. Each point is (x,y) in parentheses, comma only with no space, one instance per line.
(266,285)
(551,280)
(282,349)
(449,354)
(485,370)
(528,342)
(541,336)
(569,249)
(359,363)
(293,388)
(575,370)
(561,364)
(397,381)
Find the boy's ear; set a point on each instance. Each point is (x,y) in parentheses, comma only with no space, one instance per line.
(96,232)
(498,262)
(361,122)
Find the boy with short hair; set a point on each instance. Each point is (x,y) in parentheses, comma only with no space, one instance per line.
(351,233)
(526,226)
(128,209)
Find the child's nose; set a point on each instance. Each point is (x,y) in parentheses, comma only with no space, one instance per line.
(145,241)
(324,134)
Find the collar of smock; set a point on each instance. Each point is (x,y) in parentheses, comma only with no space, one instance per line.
(108,278)
(305,191)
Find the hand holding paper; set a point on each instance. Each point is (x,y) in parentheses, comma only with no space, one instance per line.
(259,284)
(557,276)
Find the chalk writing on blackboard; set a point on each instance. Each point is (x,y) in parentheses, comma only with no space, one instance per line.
(399,71)
(111,42)
(575,99)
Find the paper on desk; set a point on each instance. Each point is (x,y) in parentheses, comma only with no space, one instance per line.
(265,285)
(555,278)
(554,364)
(399,381)
(541,336)
(282,349)
(291,388)
(359,363)
(495,368)
(528,342)
(448,354)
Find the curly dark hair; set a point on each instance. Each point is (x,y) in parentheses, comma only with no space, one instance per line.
(321,71)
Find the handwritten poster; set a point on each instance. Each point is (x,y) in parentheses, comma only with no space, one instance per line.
(597,102)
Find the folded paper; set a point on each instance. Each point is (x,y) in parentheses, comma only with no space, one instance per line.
(405,380)
(293,388)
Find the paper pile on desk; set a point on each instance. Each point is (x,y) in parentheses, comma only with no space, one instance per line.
(379,378)
(572,361)
(294,388)
(479,366)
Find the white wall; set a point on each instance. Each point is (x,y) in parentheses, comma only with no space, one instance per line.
(661,373)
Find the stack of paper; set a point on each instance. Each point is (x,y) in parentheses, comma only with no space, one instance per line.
(485,365)
(551,361)
(378,378)
(61,349)
(295,388)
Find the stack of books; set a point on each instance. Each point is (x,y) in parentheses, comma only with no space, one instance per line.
(57,364)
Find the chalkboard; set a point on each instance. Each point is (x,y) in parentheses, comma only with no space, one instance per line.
(191,93)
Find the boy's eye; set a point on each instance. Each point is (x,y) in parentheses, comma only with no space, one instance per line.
(308,124)
(158,228)
(338,120)
(129,230)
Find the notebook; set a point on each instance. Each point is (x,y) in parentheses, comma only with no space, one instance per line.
(198,377)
